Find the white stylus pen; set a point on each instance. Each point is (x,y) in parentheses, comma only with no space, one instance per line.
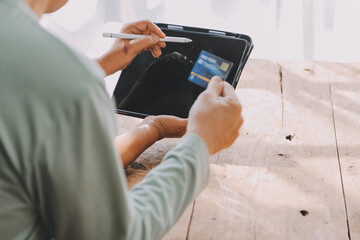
(136,36)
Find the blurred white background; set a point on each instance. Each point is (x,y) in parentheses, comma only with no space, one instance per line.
(323,30)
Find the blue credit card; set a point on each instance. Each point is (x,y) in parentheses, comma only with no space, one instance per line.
(208,65)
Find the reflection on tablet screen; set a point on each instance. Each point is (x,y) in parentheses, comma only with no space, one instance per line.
(161,88)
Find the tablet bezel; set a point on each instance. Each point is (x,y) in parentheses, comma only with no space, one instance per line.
(200,31)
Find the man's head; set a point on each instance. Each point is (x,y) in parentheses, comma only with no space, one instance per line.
(55,5)
(45,6)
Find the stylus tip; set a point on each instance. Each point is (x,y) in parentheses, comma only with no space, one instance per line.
(188,40)
(109,35)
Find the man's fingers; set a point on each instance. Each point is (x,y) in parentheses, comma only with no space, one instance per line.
(157,50)
(216,86)
(150,42)
(228,90)
(161,44)
(146,25)
(153,28)
(138,45)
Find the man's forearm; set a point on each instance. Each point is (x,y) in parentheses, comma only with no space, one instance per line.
(131,144)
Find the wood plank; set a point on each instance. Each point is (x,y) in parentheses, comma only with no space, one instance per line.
(269,187)
(345,91)
(226,209)
(308,113)
(260,95)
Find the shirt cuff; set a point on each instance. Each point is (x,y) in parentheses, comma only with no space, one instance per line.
(194,141)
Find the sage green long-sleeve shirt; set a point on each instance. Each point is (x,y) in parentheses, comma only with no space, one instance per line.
(60,176)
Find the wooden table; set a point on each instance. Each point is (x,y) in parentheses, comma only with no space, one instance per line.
(294,172)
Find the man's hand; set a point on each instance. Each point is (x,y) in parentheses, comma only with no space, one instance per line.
(216,116)
(124,51)
(132,143)
(166,126)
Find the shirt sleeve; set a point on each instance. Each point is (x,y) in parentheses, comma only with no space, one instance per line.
(159,201)
(81,190)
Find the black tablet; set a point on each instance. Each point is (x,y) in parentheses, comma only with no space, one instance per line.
(170,84)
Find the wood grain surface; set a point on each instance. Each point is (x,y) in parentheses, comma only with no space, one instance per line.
(294,172)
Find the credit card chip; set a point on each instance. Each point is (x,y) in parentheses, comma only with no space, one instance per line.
(224,66)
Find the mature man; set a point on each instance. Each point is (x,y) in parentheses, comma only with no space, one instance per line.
(60,174)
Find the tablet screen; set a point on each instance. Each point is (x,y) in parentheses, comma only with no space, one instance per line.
(170,84)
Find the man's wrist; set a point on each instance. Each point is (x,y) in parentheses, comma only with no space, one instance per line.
(101,61)
(107,65)
(202,137)
(155,130)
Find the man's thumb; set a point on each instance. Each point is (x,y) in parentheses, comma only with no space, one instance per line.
(216,86)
